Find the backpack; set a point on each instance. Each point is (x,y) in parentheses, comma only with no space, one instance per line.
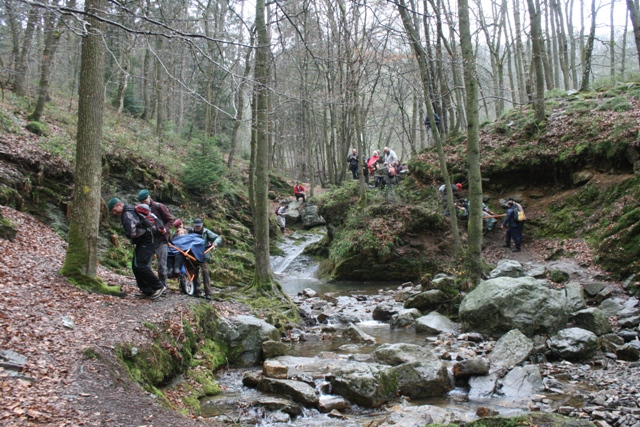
(519,212)
(150,221)
(277,209)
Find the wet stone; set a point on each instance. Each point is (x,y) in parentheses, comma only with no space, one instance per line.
(592,289)
(271,403)
(274,369)
(332,403)
(274,349)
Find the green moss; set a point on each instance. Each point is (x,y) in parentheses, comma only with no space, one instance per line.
(558,276)
(617,104)
(118,258)
(38,128)
(388,382)
(74,264)
(90,353)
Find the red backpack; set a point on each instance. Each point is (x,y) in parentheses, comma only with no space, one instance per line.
(149,220)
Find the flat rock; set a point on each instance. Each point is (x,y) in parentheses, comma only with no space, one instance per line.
(397,354)
(435,323)
(522,382)
(299,391)
(507,268)
(510,350)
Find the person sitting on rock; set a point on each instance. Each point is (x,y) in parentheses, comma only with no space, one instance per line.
(298,191)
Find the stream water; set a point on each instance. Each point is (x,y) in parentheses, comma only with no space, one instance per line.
(297,272)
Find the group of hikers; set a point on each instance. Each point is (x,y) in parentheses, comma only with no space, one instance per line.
(513,219)
(148,226)
(281,210)
(383,168)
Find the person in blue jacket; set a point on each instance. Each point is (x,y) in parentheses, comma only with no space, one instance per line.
(514,227)
(210,239)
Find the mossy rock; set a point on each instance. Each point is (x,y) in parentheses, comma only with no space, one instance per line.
(38,128)
(558,276)
(533,419)
(8,229)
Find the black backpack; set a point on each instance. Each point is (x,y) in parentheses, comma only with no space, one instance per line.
(150,221)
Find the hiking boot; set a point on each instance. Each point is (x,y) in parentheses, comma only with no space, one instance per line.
(506,246)
(516,250)
(156,294)
(177,272)
(207,297)
(165,290)
(140,295)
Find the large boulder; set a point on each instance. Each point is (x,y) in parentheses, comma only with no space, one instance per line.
(399,353)
(244,335)
(507,268)
(522,382)
(498,305)
(435,323)
(594,320)
(510,350)
(300,392)
(366,384)
(423,379)
(575,297)
(426,301)
(629,352)
(611,307)
(482,387)
(574,344)
(404,318)
(311,218)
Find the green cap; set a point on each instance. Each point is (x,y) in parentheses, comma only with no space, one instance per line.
(142,195)
(112,202)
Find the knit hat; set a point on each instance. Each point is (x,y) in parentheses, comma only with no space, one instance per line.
(112,202)
(177,223)
(142,195)
(459,186)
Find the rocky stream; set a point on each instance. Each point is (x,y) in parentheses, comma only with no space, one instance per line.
(375,354)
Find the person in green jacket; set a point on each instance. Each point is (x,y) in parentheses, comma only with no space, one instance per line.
(211,241)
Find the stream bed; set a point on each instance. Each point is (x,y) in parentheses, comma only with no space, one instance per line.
(320,347)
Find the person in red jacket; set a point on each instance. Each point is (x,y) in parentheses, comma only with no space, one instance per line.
(371,163)
(298,191)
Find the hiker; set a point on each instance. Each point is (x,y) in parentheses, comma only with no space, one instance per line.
(211,241)
(353,161)
(390,157)
(488,218)
(161,211)
(145,246)
(427,121)
(380,174)
(298,191)
(371,163)
(281,212)
(514,230)
(179,227)
(456,188)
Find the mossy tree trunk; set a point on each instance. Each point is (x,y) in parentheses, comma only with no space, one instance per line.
(421,57)
(262,284)
(474,256)
(81,261)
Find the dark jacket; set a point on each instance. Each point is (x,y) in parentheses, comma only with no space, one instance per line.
(209,237)
(133,227)
(353,161)
(161,211)
(512,218)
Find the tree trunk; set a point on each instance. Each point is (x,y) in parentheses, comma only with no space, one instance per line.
(51,42)
(623,55)
(634,15)
(612,43)
(421,57)
(586,71)
(240,107)
(520,62)
(538,53)
(81,261)
(15,34)
(474,256)
(22,66)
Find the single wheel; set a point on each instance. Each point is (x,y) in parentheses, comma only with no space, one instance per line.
(186,286)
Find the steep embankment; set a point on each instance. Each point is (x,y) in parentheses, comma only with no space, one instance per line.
(577,174)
